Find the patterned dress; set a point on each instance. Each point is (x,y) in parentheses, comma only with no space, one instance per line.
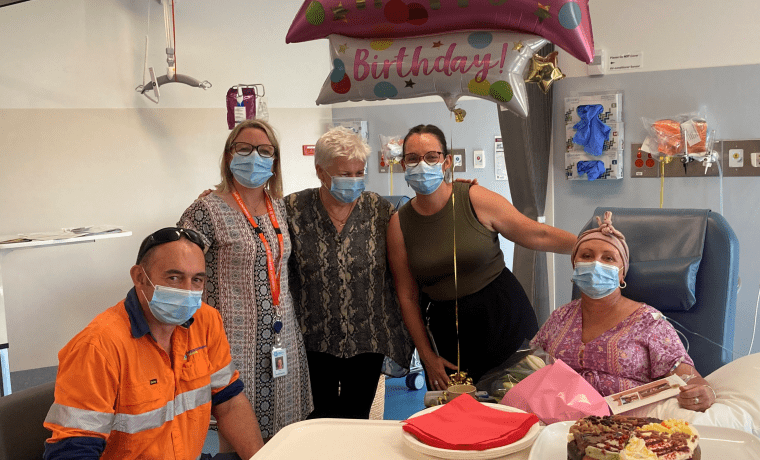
(341,283)
(238,286)
(638,350)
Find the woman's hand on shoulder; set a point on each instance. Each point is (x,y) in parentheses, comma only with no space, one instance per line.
(204,193)
(467,181)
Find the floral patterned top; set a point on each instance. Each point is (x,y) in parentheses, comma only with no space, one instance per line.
(238,286)
(340,281)
(638,350)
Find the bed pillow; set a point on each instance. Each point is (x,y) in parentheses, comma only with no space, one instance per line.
(737,406)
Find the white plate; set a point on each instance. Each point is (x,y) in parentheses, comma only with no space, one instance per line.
(715,442)
(523,443)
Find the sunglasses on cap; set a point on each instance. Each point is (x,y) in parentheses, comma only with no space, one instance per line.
(168,235)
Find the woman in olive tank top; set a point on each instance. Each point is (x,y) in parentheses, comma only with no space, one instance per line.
(495,315)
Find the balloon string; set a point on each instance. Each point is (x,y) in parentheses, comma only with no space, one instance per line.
(662,182)
(456,280)
(390,164)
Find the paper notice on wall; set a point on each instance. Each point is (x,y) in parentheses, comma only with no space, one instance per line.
(622,62)
(499,163)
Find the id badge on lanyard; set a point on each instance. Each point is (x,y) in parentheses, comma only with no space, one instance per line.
(279,362)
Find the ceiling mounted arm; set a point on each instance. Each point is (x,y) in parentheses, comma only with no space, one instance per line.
(179,78)
(171,69)
(171,63)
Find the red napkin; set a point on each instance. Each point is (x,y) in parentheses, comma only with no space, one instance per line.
(465,424)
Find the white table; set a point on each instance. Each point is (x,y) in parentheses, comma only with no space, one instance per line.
(5,249)
(344,439)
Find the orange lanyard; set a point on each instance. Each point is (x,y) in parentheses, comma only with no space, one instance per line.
(274,275)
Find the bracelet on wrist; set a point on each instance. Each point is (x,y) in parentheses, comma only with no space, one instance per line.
(715,396)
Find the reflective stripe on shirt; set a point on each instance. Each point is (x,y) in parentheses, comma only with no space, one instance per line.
(82,419)
(221,378)
(100,422)
(189,400)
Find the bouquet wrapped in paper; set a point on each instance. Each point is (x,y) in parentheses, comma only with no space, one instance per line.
(556,393)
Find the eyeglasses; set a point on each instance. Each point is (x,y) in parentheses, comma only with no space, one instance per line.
(430,158)
(168,235)
(245,149)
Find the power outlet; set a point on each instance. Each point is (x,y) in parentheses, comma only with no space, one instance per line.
(755,159)
(741,166)
(460,160)
(736,158)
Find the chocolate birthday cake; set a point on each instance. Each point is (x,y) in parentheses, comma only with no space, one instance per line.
(619,437)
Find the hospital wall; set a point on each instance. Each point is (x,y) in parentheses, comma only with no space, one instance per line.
(657,95)
(78,146)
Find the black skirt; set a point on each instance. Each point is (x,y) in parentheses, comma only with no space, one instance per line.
(493,324)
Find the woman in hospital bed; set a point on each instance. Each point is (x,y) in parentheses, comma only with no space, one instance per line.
(616,343)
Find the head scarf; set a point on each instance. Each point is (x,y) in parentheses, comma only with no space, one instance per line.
(605,232)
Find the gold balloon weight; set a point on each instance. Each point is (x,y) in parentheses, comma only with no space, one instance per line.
(459,378)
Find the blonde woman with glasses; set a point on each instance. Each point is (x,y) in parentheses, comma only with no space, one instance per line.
(245,227)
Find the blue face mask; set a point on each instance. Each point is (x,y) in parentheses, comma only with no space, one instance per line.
(596,279)
(424,178)
(346,189)
(173,306)
(252,171)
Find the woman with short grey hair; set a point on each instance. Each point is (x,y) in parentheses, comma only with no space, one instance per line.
(340,281)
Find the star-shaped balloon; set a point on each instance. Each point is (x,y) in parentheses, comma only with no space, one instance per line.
(544,71)
(542,12)
(339,13)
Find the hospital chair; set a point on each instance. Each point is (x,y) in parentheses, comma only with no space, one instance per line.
(22,436)
(397,200)
(685,263)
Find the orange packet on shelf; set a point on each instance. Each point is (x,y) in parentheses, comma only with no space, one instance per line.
(669,137)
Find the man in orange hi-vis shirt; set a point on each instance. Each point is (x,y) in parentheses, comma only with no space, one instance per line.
(142,380)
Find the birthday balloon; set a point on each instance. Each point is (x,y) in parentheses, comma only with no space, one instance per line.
(488,65)
(566,23)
